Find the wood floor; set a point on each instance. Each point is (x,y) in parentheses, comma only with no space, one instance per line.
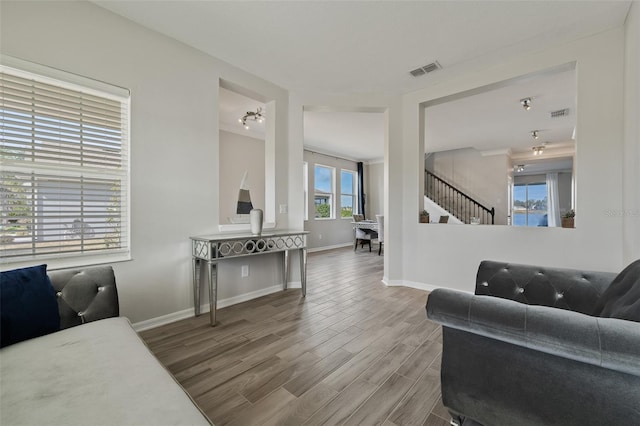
(352,352)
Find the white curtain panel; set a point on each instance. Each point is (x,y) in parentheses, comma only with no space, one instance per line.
(553,200)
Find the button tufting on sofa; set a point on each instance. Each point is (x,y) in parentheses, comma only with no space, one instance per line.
(85,295)
(579,290)
(502,360)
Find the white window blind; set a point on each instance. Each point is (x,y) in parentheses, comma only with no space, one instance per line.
(64,168)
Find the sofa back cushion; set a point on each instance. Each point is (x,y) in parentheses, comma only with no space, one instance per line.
(572,289)
(85,294)
(622,299)
(28,306)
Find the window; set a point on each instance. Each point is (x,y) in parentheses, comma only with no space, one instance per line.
(530,204)
(64,167)
(323,191)
(305,184)
(347,193)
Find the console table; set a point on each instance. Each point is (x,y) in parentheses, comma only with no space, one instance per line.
(219,247)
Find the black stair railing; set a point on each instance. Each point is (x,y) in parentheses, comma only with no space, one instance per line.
(455,201)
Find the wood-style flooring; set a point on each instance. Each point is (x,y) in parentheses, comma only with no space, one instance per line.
(352,352)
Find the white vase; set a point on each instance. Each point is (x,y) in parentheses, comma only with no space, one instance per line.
(255,218)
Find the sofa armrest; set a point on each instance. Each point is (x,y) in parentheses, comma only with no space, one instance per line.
(534,285)
(85,295)
(605,342)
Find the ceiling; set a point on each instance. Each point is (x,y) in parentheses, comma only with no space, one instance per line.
(495,120)
(233,106)
(353,135)
(367,46)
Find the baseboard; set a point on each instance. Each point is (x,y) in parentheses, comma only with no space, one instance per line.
(411,284)
(162,320)
(204,308)
(335,246)
(416,285)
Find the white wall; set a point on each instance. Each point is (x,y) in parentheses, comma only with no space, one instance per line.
(328,232)
(449,256)
(240,153)
(374,189)
(631,206)
(174,142)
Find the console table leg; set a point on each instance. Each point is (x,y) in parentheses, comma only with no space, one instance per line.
(303,271)
(213,292)
(196,285)
(285,268)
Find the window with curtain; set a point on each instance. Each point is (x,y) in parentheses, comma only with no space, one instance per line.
(347,193)
(64,161)
(323,191)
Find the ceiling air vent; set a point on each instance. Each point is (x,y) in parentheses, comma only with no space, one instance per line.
(559,113)
(433,66)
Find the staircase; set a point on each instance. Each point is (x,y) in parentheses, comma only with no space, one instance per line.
(456,202)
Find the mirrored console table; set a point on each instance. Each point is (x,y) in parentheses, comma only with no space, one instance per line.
(219,247)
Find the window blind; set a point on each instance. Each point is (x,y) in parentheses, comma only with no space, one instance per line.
(64,168)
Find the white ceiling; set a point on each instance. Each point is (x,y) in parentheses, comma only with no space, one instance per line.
(233,106)
(495,119)
(367,46)
(352,135)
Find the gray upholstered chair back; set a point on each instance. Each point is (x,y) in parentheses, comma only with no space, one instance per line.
(535,285)
(85,295)
(380,220)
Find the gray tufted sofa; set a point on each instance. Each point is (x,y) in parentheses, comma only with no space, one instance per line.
(85,295)
(94,371)
(531,354)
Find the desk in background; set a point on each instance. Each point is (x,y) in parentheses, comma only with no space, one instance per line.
(371,225)
(219,247)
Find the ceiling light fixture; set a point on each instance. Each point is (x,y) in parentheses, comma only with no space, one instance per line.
(538,150)
(519,168)
(526,103)
(534,134)
(258,116)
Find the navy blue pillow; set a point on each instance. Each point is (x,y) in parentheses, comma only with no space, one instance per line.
(28,305)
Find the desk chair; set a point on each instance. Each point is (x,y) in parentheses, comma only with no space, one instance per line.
(364,236)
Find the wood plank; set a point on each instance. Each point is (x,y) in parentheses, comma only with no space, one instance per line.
(352,351)
(419,401)
(420,360)
(318,372)
(266,409)
(342,406)
(278,375)
(377,408)
(352,369)
(380,371)
(303,408)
